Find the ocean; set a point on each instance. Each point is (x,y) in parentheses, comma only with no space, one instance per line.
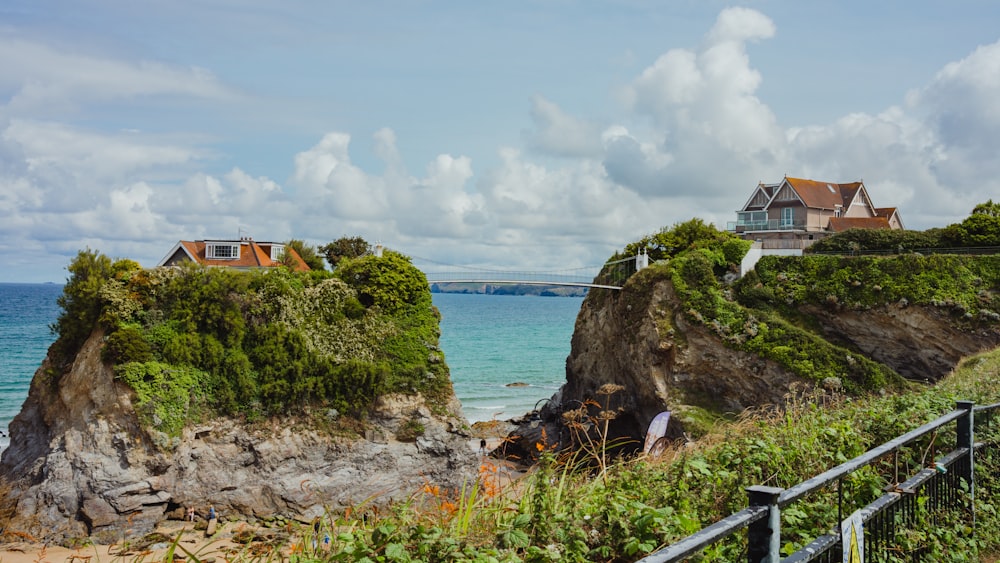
(26,311)
(506,353)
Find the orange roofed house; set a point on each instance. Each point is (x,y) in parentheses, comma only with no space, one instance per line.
(242,254)
(794,213)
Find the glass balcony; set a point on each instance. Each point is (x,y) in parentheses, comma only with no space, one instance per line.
(769,225)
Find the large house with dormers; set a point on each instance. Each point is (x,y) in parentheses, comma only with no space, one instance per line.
(242,254)
(794,213)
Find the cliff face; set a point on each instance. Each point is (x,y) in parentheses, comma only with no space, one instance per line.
(80,464)
(643,338)
(920,343)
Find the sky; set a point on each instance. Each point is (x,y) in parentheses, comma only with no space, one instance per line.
(524,134)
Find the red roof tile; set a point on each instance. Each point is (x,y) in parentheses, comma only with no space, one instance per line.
(823,195)
(841,224)
(251,255)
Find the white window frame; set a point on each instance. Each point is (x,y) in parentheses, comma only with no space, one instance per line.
(231,252)
(276,251)
(787,216)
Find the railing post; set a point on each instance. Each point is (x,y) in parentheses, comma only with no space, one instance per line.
(966,439)
(764,535)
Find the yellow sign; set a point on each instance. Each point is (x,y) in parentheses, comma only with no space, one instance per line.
(852,534)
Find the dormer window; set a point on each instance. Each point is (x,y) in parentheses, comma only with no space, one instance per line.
(222,251)
(277,250)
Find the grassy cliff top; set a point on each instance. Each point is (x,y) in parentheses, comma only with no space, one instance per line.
(196,342)
(763,313)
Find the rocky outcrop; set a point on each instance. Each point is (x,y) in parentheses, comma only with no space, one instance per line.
(79,463)
(918,342)
(642,339)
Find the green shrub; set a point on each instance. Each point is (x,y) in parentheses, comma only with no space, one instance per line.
(389,282)
(80,302)
(878,240)
(959,283)
(261,342)
(410,430)
(126,344)
(165,394)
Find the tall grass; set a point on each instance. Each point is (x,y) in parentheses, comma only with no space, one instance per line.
(587,507)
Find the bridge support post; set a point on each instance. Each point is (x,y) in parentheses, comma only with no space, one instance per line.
(764,536)
(966,439)
(641,260)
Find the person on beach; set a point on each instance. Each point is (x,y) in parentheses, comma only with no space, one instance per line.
(211,512)
(190,514)
(482,447)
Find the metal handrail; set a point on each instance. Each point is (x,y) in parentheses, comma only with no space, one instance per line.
(766,225)
(810,485)
(708,536)
(828,541)
(733,523)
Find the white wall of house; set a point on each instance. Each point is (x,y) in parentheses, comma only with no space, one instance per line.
(756,252)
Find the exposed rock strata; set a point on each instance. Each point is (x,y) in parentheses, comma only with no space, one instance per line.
(919,343)
(80,465)
(641,338)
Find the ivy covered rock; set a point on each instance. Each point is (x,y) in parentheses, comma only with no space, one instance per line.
(685,335)
(259,393)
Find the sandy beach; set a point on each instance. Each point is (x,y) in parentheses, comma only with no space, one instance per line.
(192,541)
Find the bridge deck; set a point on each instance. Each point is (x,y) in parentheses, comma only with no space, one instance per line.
(524,282)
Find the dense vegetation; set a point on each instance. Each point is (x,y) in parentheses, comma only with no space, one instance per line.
(344,247)
(969,286)
(561,512)
(697,259)
(758,313)
(307,253)
(980,229)
(195,342)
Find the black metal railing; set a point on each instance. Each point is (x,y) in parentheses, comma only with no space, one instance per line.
(948,484)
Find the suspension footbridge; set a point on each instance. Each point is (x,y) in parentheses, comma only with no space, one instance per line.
(610,275)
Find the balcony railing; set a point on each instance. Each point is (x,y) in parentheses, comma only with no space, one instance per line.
(769,225)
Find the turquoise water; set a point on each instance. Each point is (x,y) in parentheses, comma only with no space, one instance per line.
(489,341)
(492,341)
(26,311)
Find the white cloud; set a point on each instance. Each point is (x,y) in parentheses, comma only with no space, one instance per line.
(933,156)
(975,82)
(95,155)
(41,77)
(704,107)
(560,134)
(393,204)
(692,137)
(740,25)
